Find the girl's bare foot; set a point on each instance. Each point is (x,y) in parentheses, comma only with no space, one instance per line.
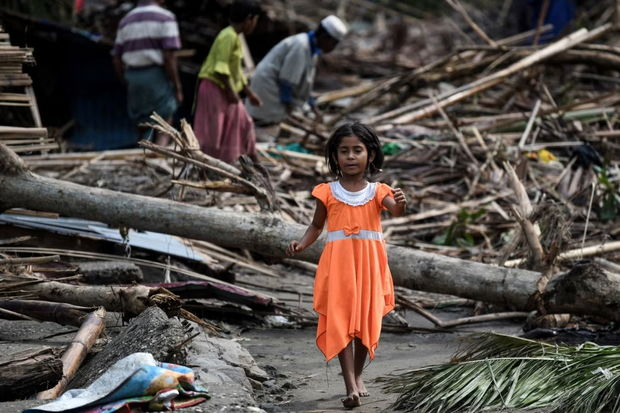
(351,401)
(361,387)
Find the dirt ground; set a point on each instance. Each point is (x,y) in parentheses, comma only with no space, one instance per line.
(304,382)
(301,381)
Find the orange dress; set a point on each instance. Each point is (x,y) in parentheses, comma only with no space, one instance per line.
(353,287)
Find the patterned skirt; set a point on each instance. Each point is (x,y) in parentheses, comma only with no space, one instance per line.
(224,130)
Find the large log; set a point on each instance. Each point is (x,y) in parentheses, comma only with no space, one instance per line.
(263,233)
(23,374)
(61,313)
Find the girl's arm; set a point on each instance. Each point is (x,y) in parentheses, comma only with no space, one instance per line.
(170,65)
(313,231)
(396,205)
(252,97)
(231,95)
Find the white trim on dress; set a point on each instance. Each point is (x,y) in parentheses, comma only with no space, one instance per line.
(356,198)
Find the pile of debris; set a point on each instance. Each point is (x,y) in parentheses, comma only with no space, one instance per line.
(16,92)
(506,153)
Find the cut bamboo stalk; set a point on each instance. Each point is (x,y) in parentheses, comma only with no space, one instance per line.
(345,92)
(522,213)
(33,148)
(193,146)
(220,186)
(457,133)
(530,124)
(459,321)
(117,154)
(76,352)
(577,253)
(29,260)
(258,192)
(484,318)
(542,14)
(19,131)
(447,210)
(34,107)
(456,5)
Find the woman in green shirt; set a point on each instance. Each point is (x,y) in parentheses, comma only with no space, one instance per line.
(221,123)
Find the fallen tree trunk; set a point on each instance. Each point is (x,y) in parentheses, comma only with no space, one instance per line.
(266,234)
(61,313)
(129,300)
(23,374)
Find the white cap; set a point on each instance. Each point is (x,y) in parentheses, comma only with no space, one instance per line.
(334,27)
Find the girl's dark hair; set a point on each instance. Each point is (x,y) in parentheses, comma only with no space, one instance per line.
(365,134)
(242,9)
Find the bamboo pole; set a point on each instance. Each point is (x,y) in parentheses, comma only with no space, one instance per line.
(456,5)
(577,253)
(76,352)
(29,260)
(522,213)
(459,321)
(542,15)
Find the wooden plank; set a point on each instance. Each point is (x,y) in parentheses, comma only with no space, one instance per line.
(10,142)
(34,108)
(16,130)
(33,148)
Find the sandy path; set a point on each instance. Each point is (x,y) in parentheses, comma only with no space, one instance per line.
(307,384)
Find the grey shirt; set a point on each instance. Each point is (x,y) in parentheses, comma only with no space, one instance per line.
(289,61)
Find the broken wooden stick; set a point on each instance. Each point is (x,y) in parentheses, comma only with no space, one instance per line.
(590,251)
(29,260)
(261,196)
(522,213)
(407,303)
(76,352)
(456,5)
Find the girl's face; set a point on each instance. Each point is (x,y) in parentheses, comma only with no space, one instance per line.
(250,24)
(352,156)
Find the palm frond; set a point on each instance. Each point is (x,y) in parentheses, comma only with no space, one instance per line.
(497,371)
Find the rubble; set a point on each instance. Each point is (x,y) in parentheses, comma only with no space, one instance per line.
(506,152)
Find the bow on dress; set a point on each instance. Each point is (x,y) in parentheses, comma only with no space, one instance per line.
(351,230)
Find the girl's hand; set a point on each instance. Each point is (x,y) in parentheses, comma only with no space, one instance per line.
(399,197)
(293,248)
(253,98)
(232,96)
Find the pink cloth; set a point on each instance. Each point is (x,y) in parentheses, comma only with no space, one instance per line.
(224,130)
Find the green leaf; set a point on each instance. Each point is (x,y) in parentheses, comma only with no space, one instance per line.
(610,208)
(441,238)
(498,371)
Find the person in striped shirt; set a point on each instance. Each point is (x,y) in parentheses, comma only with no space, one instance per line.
(144,58)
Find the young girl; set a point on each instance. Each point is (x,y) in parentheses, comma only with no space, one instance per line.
(353,287)
(221,123)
